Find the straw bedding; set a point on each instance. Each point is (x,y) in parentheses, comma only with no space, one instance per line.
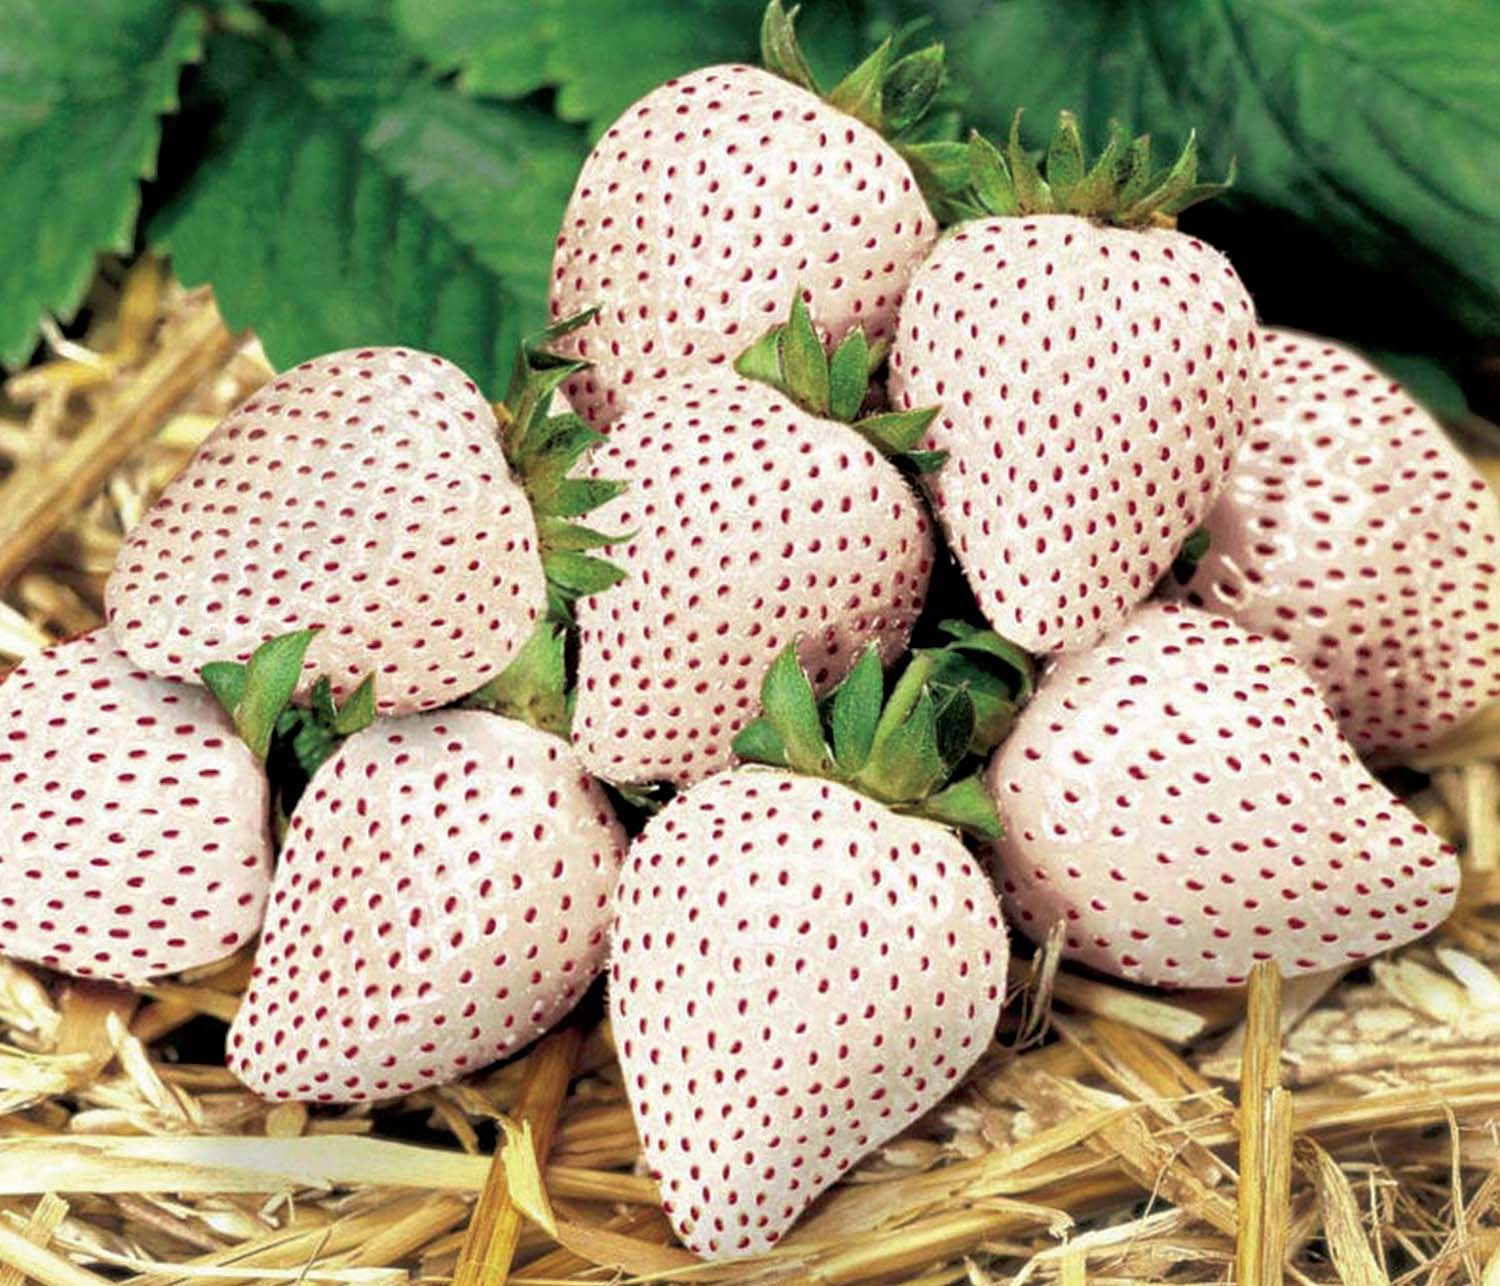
(1337,1128)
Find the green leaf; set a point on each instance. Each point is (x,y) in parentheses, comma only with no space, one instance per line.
(856,711)
(804,361)
(358,711)
(792,711)
(967,805)
(81,92)
(270,679)
(1369,153)
(498,47)
(848,376)
(346,200)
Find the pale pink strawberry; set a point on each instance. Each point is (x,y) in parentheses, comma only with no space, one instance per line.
(751,522)
(1180,799)
(134,823)
(442,899)
(701,209)
(797,974)
(1096,382)
(1354,533)
(364,492)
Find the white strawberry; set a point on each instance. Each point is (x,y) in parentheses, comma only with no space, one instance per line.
(366,494)
(798,970)
(712,196)
(1181,800)
(442,900)
(752,521)
(1096,377)
(136,838)
(1354,533)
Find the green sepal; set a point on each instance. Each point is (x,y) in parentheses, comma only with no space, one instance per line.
(1119,188)
(990,176)
(225,680)
(941,169)
(544,450)
(891,91)
(1033,196)
(1065,159)
(576,575)
(911,86)
(320,700)
(534,686)
(966,805)
(804,360)
(896,433)
(921,462)
(856,711)
(791,709)
(558,535)
(905,763)
(848,376)
(780,50)
(574,497)
(358,711)
(758,743)
(255,694)
(861,92)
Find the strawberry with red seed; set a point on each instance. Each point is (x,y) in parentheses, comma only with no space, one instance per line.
(757,512)
(802,966)
(366,494)
(1181,801)
(442,899)
(710,198)
(136,838)
(1097,372)
(1353,532)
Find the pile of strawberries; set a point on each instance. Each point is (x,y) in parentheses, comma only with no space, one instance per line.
(372,690)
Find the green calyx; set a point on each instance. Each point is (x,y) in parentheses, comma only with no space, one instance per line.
(543,448)
(891,91)
(791,358)
(257,695)
(1121,187)
(920,748)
